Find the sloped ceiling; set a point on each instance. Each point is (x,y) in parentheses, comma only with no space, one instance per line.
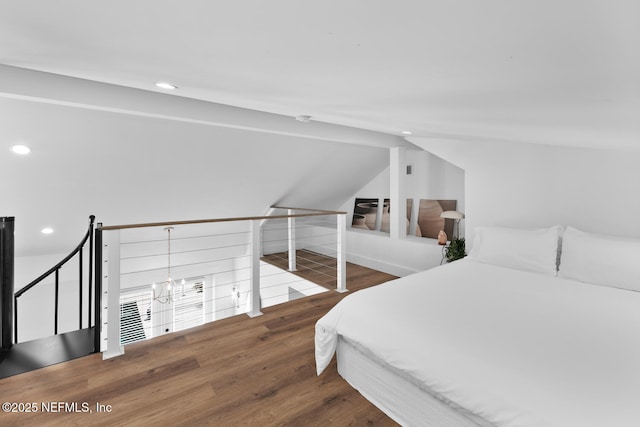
(558,73)
(127,166)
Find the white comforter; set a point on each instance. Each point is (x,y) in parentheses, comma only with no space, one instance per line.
(515,348)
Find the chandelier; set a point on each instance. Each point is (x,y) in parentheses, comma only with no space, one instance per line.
(162,292)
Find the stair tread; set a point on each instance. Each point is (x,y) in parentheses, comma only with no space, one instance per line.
(31,355)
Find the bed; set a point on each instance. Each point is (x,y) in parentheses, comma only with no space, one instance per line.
(501,338)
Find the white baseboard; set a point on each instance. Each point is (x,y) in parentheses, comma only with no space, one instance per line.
(385,267)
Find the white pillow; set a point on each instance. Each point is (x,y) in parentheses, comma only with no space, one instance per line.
(600,259)
(529,250)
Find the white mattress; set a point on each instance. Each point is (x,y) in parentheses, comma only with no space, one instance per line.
(512,348)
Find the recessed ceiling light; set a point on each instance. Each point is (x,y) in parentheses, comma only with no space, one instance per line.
(47,230)
(406,132)
(21,149)
(165,85)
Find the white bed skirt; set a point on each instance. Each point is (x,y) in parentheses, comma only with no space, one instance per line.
(400,398)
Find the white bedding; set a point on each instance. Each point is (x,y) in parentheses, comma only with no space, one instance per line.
(514,348)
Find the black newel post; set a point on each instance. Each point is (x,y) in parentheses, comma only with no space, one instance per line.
(6,281)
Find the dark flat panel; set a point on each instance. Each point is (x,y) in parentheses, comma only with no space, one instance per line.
(36,354)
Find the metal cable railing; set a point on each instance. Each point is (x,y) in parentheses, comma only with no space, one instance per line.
(206,270)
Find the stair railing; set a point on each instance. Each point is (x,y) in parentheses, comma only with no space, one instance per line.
(55,270)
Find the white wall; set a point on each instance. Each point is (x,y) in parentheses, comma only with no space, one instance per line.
(399,257)
(36,306)
(432,178)
(529,185)
(130,156)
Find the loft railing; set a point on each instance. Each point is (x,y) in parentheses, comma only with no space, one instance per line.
(163,277)
(55,271)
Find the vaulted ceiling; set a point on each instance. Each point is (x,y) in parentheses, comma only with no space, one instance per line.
(77,83)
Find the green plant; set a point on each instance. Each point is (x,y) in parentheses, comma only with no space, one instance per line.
(455,250)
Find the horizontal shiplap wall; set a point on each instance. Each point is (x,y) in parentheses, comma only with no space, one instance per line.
(196,250)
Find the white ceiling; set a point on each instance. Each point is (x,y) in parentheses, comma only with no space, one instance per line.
(554,72)
(131,168)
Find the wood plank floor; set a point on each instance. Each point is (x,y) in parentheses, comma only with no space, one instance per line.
(317,268)
(234,372)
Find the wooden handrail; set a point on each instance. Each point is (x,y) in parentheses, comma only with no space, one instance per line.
(312,210)
(316,212)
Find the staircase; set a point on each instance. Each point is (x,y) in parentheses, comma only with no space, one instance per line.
(20,357)
(31,355)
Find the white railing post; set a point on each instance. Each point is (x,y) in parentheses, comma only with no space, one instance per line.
(398,184)
(262,223)
(112,289)
(292,240)
(341,233)
(255,269)
(209,294)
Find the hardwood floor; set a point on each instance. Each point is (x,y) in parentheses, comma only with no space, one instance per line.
(317,268)
(234,372)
